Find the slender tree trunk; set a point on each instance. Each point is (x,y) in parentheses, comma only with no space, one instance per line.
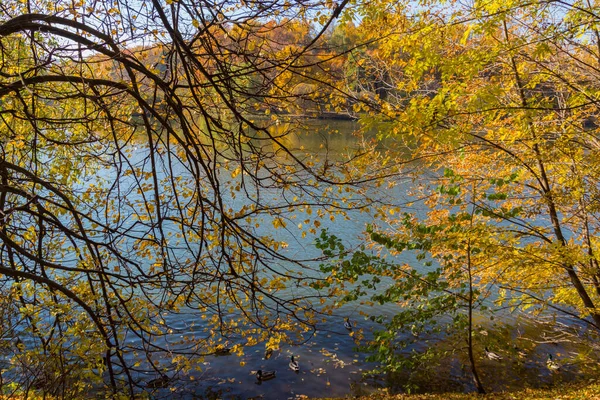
(476,379)
(478,384)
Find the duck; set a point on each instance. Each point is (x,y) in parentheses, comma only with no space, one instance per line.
(521,353)
(264,376)
(268,353)
(222,351)
(492,356)
(551,364)
(159,382)
(294,366)
(348,324)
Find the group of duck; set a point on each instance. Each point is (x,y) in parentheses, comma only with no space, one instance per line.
(294,366)
(266,375)
(551,364)
(163,380)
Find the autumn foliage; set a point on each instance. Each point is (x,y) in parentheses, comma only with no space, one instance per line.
(144,147)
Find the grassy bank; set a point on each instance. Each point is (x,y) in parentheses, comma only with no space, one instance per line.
(580,391)
(567,392)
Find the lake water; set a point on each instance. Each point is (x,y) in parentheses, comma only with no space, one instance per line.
(329,363)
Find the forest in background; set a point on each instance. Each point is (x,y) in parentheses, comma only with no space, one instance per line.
(488,109)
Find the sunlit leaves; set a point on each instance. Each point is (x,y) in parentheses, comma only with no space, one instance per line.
(496,103)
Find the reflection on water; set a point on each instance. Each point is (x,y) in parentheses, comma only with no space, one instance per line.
(329,363)
(330,367)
